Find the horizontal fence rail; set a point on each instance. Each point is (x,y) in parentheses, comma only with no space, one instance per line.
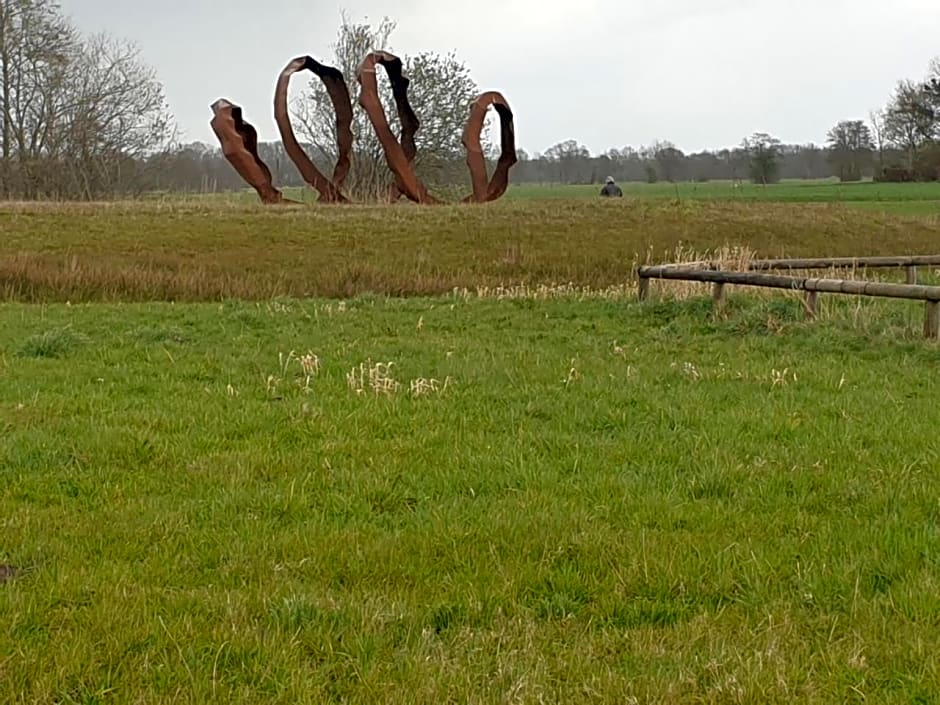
(908,262)
(846,262)
(812,286)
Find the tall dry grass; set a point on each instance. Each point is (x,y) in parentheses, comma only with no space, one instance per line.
(741,259)
(198,252)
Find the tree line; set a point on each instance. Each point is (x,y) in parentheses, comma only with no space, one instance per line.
(899,142)
(82,117)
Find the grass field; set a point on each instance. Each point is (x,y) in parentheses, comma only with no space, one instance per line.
(237,466)
(898,199)
(792,191)
(599,502)
(213,250)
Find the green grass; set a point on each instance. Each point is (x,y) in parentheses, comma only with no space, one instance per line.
(922,209)
(922,199)
(609,503)
(593,500)
(901,199)
(50,343)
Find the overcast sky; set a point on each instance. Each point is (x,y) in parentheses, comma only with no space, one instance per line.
(608,73)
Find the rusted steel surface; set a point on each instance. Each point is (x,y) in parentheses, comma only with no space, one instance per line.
(329,189)
(400,153)
(239,141)
(489,190)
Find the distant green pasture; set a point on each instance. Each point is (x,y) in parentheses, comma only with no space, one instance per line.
(897,199)
(901,199)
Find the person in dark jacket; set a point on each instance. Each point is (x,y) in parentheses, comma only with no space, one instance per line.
(611,189)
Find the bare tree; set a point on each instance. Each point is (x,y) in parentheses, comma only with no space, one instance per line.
(910,120)
(571,162)
(763,153)
(36,45)
(440,92)
(114,118)
(79,116)
(877,120)
(806,160)
(933,74)
(932,92)
(668,158)
(850,149)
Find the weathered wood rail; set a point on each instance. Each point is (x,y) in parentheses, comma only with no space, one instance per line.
(909,262)
(811,286)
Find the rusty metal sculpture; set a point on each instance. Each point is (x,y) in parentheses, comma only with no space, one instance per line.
(399,154)
(484,191)
(240,140)
(339,95)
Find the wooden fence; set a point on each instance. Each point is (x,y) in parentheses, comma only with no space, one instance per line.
(908,262)
(702,272)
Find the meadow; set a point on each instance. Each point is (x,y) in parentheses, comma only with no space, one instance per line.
(212,249)
(386,455)
(799,190)
(898,199)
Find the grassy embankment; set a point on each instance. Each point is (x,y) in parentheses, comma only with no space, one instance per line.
(210,251)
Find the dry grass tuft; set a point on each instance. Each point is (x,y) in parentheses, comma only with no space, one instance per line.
(373,376)
(377,377)
(733,258)
(739,259)
(422,387)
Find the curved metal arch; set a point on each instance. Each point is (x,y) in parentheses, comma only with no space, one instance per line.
(332,78)
(399,154)
(239,139)
(483,190)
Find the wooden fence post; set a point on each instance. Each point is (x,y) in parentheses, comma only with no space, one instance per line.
(644,288)
(718,295)
(912,274)
(812,304)
(932,320)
